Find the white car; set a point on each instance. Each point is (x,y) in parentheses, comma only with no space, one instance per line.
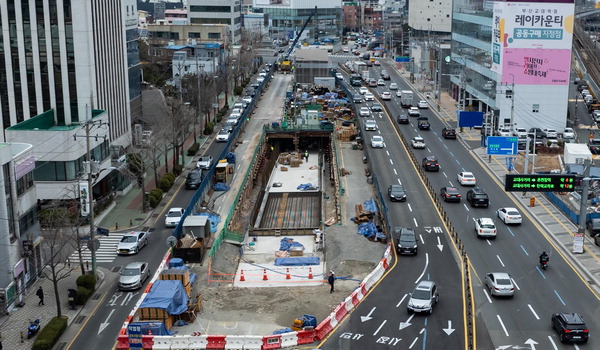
(369,97)
(418,142)
(414,112)
(393,86)
(132,242)
(363,90)
(596,115)
(260,79)
(173,217)
(509,216)
(386,95)
(247,99)
(423,104)
(380,82)
(346,49)
(520,133)
(568,135)
(399,93)
(585,92)
(223,135)
(204,162)
(370,125)
(500,284)
(503,132)
(364,112)
(377,141)
(340,76)
(484,227)
(466,178)
(550,133)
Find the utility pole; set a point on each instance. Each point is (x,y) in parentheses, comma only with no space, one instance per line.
(91,175)
(587,165)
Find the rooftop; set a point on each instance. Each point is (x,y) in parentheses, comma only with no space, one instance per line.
(45,122)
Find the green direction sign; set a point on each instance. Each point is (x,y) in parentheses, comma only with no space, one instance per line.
(539,183)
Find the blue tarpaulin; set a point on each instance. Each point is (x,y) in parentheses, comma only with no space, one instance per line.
(298,261)
(371,206)
(367,229)
(157,328)
(167,295)
(214,220)
(220,186)
(306,186)
(286,243)
(230,158)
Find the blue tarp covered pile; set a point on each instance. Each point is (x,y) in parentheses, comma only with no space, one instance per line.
(306,187)
(287,243)
(369,230)
(230,158)
(167,295)
(214,220)
(331,95)
(282,330)
(220,186)
(371,206)
(298,261)
(157,328)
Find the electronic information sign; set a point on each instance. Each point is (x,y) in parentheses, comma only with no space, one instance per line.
(540,183)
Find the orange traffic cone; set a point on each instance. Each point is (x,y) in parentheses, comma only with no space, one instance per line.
(242,278)
(265,275)
(287,276)
(310,276)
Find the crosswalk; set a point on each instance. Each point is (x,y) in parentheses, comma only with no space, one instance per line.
(105,254)
(348,56)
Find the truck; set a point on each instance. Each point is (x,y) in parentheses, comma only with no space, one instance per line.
(365,75)
(359,67)
(406,99)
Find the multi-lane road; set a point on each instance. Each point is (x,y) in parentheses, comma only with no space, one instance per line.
(521,321)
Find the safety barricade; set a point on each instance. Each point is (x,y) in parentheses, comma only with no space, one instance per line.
(272,341)
(306,337)
(289,339)
(196,342)
(235,342)
(362,291)
(340,311)
(384,263)
(348,303)
(216,341)
(147,341)
(251,342)
(167,342)
(389,254)
(123,341)
(323,328)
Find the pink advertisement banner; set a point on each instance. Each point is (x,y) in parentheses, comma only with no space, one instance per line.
(536,66)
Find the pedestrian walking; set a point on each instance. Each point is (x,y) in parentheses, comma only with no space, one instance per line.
(306,155)
(40,294)
(331,280)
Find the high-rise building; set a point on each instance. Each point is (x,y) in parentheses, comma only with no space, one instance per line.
(218,12)
(61,63)
(512,60)
(430,16)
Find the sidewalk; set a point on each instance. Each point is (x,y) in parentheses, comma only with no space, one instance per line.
(556,225)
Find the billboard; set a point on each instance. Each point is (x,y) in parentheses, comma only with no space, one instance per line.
(536,66)
(543,26)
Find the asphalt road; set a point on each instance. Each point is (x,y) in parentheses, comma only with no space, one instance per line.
(525,319)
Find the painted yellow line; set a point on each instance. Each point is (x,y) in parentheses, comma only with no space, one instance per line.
(539,228)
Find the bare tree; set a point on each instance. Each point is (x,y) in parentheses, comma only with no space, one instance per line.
(196,89)
(175,127)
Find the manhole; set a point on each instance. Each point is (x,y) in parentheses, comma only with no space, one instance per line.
(79,319)
(61,346)
(116,269)
(139,219)
(96,296)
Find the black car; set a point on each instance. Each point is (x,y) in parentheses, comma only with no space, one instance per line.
(403,119)
(193,179)
(570,327)
(407,240)
(397,193)
(477,197)
(250,92)
(431,163)
(376,107)
(424,125)
(449,133)
(385,76)
(450,194)
(593,227)
(357,99)
(537,132)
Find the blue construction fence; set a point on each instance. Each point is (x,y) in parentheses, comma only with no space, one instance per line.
(572,215)
(207,181)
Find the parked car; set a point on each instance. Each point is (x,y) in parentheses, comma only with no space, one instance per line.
(450,194)
(223,135)
(537,132)
(510,216)
(596,115)
(193,179)
(205,162)
(550,133)
(418,142)
(485,228)
(477,197)
(448,133)
(423,298)
(173,217)
(503,132)
(500,284)
(402,119)
(132,242)
(520,133)
(370,125)
(133,276)
(407,240)
(568,135)
(570,327)
(397,193)
(466,178)
(393,86)
(364,112)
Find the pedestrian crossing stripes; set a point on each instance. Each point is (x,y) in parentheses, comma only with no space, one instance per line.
(348,56)
(105,254)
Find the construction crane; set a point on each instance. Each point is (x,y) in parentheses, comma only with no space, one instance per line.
(286,65)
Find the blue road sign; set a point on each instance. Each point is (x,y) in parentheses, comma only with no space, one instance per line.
(135,336)
(502,145)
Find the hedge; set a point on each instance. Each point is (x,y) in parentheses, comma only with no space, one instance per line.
(209,128)
(50,334)
(224,110)
(178,169)
(86,281)
(170,177)
(193,149)
(82,296)
(155,197)
(164,184)
(238,90)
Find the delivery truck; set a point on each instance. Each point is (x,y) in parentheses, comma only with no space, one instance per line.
(406,99)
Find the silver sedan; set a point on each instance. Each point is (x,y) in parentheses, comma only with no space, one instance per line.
(500,284)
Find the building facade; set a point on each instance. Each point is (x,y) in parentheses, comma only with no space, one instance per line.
(352,16)
(510,56)
(218,12)
(430,16)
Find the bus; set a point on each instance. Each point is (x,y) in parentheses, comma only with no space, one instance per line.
(355,80)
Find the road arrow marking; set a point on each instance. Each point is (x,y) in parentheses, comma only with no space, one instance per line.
(428,229)
(449,330)
(531,343)
(440,245)
(407,323)
(105,324)
(368,317)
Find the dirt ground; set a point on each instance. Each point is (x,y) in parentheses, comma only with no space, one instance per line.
(544,162)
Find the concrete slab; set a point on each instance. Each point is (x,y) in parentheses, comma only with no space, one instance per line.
(270,244)
(295,176)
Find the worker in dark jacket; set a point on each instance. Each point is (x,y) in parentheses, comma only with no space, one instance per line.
(331,281)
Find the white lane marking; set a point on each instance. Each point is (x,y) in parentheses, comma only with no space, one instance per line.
(502,324)
(443,172)
(415,220)
(515,283)
(576,347)
(533,312)
(552,342)
(401,300)
(378,329)
(413,343)
(428,150)
(392,163)
(488,241)
(399,182)
(409,207)
(395,172)
(466,206)
(388,153)
(487,296)
(451,184)
(424,269)
(422,241)
(498,256)
(445,145)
